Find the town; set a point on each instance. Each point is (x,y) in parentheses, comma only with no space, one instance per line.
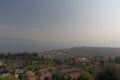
(59,40)
(35,66)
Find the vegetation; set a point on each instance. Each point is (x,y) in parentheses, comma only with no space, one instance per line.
(59,76)
(108,72)
(27,61)
(34,62)
(85,76)
(9,77)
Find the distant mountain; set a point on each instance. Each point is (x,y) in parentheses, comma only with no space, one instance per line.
(82,51)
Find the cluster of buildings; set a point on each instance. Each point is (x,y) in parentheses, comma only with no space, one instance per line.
(47,72)
(38,75)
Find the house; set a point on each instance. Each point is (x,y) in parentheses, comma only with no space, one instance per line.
(82,61)
(29,75)
(45,72)
(49,69)
(18,72)
(74,76)
(43,76)
(68,70)
(64,66)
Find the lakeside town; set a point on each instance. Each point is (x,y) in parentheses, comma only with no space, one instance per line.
(36,66)
(59,39)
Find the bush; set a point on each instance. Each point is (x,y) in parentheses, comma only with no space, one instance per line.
(107,72)
(85,76)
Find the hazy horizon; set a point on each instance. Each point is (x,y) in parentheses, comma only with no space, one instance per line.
(37,25)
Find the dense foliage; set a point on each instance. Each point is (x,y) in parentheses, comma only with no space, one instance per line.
(108,72)
(85,76)
(34,62)
(24,61)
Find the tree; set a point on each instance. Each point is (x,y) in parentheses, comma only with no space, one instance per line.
(56,76)
(46,78)
(9,77)
(85,76)
(107,72)
(117,59)
(69,78)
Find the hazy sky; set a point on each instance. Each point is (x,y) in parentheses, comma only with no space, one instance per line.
(35,25)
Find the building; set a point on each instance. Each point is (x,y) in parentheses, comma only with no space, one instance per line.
(82,61)
(45,72)
(68,70)
(74,76)
(18,72)
(29,75)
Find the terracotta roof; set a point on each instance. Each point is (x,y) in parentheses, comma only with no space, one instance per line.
(29,73)
(46,69)
(74,75)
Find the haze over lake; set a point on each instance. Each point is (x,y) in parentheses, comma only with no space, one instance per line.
(37,25)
